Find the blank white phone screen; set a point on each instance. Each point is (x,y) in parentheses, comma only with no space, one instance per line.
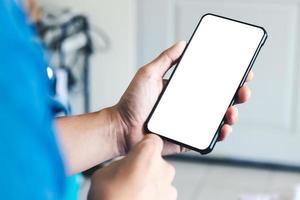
(205,81)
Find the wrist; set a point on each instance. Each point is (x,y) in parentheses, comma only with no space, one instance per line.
(118,129)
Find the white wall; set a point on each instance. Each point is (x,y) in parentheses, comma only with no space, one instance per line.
(268,128)
(111,71)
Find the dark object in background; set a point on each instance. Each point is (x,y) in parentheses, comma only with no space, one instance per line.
(68,38)
(62,33)
(69,41)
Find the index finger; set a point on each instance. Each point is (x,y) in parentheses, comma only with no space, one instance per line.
(150,146)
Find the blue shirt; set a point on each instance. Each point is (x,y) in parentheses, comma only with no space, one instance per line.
(30,163)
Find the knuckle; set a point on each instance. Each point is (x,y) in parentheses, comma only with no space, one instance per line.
(165,57)
(145,71)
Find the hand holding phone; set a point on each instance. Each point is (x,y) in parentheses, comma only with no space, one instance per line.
(191,109)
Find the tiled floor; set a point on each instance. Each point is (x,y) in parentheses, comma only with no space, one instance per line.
(211,182)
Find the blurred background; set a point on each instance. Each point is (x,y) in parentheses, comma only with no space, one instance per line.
(100,44)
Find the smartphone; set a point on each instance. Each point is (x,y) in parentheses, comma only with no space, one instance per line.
(215,63)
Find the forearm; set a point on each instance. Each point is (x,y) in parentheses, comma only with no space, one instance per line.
(89,139)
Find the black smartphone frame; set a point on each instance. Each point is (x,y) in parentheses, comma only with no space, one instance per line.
(217,134)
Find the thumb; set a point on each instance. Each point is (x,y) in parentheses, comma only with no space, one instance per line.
(151,146)
(167,58)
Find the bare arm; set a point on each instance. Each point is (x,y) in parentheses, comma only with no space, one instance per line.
(89,139)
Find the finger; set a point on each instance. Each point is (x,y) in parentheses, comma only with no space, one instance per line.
(250,76)
(231,115)
(168,173)
(170,193)
(165,60)
(243,95)
(146,153)
(150,146)
(170,148)
(225,131)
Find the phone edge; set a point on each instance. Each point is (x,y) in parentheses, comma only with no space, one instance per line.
(216,136)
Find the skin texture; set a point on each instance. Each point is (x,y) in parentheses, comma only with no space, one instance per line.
(142,175)
(89,139)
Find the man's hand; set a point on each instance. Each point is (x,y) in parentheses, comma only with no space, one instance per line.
(89,139)
(142,174)
(142,93)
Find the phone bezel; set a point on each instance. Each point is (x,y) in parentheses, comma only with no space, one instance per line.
(216,136)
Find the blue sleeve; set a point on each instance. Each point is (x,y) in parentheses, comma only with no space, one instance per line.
(30,163)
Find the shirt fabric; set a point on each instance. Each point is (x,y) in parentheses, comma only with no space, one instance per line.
(31,166)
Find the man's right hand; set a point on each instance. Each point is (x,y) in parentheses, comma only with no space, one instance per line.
(142,175)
